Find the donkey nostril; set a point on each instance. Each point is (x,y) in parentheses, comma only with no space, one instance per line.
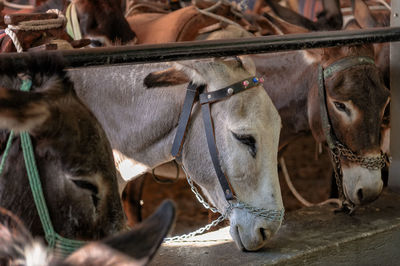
(360,195)
(265,234)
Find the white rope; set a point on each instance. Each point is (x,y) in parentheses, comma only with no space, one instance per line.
(297,194)
(43,24)
(14,39)
(16,6)
(33,25)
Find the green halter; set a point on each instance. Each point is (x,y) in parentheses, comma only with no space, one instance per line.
(62,246)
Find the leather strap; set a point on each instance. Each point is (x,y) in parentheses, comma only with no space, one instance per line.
(206,99)
(192,91)
(222,94)
(326,124)
(212,147)
(347,62)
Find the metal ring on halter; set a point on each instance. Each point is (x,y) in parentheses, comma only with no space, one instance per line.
(166,181)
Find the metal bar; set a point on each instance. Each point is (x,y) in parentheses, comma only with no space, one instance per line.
(394,170)
(217,48)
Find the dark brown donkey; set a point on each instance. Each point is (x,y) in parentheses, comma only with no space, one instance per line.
(73,156)
(356,98)
(102,21)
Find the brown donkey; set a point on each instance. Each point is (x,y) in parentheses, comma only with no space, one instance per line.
(72,153)
(102,21)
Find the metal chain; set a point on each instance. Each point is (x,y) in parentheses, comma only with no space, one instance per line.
(185,237)
(338,173)
(271,215)
(371,163)
(198,195)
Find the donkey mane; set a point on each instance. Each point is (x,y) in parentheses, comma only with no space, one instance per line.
(44,70)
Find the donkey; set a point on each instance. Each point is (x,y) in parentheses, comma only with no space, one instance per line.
(135,247)
(102,21)
(356,99)
(73,156)
(141,122)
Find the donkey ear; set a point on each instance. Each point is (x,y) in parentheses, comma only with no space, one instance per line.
(22,111)
(193,69)
(314,115)
(164,78)
(362,14)
(14,237)
(136,246)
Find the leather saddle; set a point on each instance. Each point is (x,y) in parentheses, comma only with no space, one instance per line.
(181,25)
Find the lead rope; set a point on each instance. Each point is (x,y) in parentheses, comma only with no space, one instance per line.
(63,246)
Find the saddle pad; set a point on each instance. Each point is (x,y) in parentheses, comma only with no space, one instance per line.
(180,25)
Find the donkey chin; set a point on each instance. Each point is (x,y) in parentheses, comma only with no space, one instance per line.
(250,233)
(361,185)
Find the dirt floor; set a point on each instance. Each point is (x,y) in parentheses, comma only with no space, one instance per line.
(311,177)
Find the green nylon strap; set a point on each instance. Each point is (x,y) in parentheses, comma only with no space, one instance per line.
(62,246)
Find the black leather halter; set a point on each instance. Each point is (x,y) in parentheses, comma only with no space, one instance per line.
(206,99)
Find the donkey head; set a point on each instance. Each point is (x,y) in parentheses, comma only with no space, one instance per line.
(356,98)
(104,21)
(72,153)
(135,247)
(247,148)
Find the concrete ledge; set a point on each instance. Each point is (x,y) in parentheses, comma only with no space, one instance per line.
(310,236)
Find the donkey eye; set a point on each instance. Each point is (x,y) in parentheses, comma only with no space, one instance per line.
(341,107)
(86,185)
(249,141)
(239,61)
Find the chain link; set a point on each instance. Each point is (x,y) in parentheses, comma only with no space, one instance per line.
(185,237)
(371,163)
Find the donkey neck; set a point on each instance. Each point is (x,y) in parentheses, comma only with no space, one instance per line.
(139,122)
(288,79)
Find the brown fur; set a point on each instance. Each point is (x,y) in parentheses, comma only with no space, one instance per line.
(168,77)
(72,153)
(97,18)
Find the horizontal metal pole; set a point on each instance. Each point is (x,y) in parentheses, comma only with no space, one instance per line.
(217,48)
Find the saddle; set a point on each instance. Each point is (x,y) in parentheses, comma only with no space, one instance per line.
(38,39)
(191,23)
(181,25)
